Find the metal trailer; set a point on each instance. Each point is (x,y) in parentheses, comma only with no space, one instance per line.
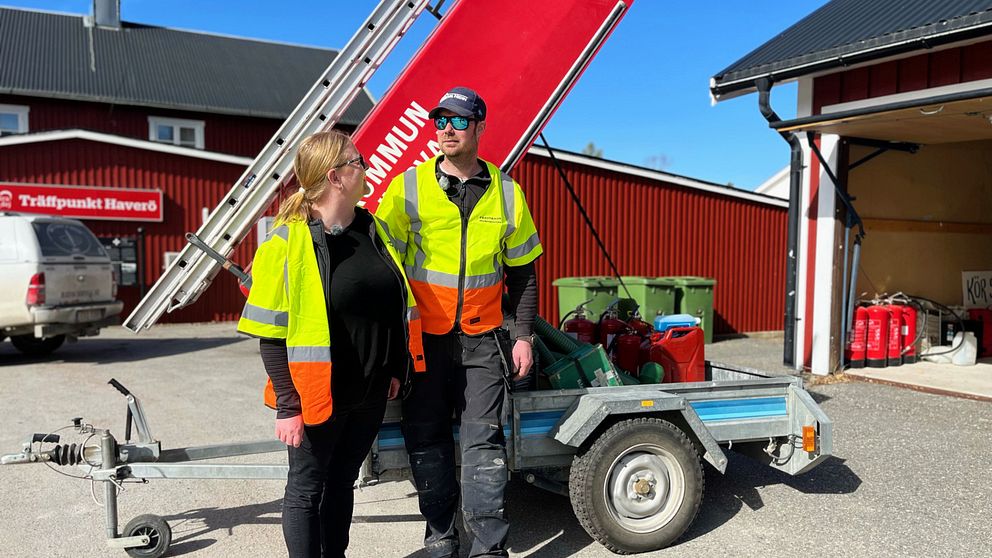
(629,458)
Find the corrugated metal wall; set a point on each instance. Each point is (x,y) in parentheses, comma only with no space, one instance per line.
(652,228)
(187,184)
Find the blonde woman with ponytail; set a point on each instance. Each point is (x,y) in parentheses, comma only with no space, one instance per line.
(338,334)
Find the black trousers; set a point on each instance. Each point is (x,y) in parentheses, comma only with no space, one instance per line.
(464,377)
(317,508)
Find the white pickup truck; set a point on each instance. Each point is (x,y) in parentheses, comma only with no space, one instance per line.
(57,282)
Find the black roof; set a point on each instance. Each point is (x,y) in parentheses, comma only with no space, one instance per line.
(846,32)
(44,54)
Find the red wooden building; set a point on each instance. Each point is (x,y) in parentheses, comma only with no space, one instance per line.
(188,129)
(895,95)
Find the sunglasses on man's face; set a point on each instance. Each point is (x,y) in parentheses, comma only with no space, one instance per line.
(360,160)
(457,122)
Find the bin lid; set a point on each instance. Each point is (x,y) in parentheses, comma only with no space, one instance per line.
(653,281)
(692,281)
(594,281)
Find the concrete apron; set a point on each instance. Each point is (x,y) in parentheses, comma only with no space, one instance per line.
(969,382)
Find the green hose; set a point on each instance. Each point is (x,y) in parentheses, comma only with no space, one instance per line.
(557,340)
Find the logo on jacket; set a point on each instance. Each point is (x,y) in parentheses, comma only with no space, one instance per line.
(490,219)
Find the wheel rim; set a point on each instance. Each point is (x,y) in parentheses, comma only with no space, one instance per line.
(153,536)
(645,488)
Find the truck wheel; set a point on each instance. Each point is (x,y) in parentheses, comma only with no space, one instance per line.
(638,487)
(159,535)
(32,346)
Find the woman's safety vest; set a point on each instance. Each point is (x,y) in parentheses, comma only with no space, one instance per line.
(455,263)
(287,301)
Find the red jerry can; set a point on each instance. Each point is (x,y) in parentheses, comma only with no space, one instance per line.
(680,351)
(857,338)
(876,346)
(894,352)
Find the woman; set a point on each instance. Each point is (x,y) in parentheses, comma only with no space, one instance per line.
(338,333)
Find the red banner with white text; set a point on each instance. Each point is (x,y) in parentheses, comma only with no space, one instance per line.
(82,202)
(521,56)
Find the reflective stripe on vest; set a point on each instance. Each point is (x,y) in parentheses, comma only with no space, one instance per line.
(433,259)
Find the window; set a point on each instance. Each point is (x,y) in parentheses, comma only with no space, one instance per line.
(176,131)
(13,119)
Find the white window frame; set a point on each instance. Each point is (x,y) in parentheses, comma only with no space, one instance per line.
(22,116)
(155,121)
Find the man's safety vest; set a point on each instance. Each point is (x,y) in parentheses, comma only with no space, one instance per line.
(287,301)
(455,263)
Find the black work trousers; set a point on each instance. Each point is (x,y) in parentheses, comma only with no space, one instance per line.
(317,508)
(464,377)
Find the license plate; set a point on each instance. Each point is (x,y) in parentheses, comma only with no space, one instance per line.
(89,315)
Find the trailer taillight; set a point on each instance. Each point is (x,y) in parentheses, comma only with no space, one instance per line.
(809,439)
(36,290)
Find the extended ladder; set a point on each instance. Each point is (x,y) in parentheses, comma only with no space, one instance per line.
(192,272)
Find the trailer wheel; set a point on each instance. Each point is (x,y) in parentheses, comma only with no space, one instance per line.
(159,535)
(638,487)
(32,346)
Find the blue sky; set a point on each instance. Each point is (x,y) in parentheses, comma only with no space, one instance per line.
(643,100)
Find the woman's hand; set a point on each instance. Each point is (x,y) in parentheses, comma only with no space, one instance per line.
(290,430)
(394,389)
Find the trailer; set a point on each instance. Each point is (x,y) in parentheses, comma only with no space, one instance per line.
(630,459)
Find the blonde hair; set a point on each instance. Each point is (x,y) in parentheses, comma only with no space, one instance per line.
(315,156)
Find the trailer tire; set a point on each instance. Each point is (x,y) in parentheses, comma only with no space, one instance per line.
(638,487)
(32,346)
(158,531)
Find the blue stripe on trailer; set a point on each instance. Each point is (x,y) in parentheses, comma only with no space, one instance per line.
(540,423)
(731,409)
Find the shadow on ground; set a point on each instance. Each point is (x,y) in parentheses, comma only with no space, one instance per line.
(112,350)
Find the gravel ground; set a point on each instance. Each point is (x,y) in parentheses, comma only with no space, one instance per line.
(910,476)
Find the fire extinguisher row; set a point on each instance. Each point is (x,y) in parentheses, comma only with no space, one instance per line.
(671,350)
(886,332)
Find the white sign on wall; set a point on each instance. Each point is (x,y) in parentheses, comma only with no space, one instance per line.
(977,289)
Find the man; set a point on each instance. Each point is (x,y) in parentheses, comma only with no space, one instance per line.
(464,231)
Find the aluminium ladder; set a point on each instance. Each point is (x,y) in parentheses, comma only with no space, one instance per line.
(192,271)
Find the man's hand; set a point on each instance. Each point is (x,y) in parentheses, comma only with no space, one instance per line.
(394,388)
(290,430)
(523,359)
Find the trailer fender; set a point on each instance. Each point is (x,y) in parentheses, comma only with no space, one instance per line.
(590,411)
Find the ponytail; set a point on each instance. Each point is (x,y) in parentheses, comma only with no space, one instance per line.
(315,156)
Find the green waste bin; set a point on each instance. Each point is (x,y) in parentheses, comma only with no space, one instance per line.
(653,295)
(600,291)
(695,297)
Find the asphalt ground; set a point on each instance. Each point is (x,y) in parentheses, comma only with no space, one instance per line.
(910,477)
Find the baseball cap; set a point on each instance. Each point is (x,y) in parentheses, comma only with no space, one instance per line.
(463,102)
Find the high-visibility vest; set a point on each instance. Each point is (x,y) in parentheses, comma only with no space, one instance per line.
(455,265)
(287,301)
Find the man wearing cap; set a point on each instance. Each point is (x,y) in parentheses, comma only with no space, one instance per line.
(464,231)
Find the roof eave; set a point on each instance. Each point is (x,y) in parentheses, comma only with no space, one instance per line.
(747,82)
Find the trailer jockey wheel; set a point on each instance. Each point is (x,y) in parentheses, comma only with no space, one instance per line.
(638,487)
(158,531)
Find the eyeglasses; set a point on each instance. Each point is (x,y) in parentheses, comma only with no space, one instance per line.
(360,160)
(457,122)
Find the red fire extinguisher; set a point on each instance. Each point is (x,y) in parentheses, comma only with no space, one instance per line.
(877,337)
(626,352)
(894,352)
(638,325)
(610,326)
(580,327)
(857,338)
(909,318)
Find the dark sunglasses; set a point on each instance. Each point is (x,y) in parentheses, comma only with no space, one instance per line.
(457,122)
(360,160)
